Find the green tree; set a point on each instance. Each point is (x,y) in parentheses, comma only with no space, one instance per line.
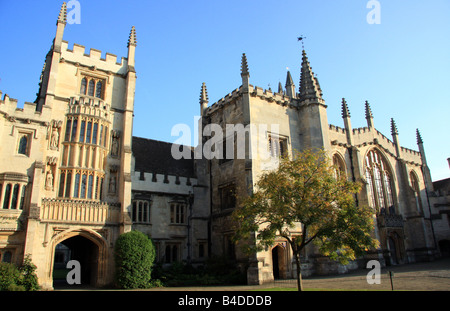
(306,191)
(10,277)
(134,254)
(29,278)
(23,278)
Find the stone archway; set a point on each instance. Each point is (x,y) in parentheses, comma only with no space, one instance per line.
(89,249)
(279,266)
(396,248)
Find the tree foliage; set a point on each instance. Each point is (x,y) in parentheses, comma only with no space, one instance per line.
(306,190)
(23,278)
(134,254)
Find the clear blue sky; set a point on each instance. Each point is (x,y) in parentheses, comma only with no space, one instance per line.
(401,66)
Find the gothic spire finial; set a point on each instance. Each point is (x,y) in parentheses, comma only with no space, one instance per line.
(394,130)
(204,94)
(132,38)
(62,18)
(244,65)
(290,87)
(309,85)
(345,111)
(203,99)
(419,138)
(280,88)
(289,80)
(368,111)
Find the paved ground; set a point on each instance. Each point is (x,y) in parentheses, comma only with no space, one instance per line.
(430,276)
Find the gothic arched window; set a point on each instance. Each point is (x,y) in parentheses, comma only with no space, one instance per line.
(7,196)
(83,86)
(339,166)
(379,183)
(23,145)
(416,189)
(91,88)
(15,197)
(99,89)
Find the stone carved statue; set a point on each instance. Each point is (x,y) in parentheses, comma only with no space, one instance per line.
(112,184)
(54,138)
(49,180)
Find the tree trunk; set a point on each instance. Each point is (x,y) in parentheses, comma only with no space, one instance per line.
(299,272)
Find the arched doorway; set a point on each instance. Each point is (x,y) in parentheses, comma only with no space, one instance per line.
(396,248)
(393,250)
(86,247)
(82,250)
(278,262)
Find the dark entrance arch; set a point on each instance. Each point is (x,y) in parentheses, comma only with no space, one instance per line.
(85,252)
(275,263)
(393,249)
(278,262)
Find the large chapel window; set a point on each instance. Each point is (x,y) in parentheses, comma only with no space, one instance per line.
(338,166)
(379,183)
(416,189)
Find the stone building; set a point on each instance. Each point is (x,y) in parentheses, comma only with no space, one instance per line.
(65,169)
(73,178)
(397,180)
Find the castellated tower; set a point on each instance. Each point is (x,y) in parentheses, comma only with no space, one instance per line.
(66,162)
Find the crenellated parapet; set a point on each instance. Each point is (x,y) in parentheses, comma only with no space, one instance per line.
(27,114)
(269,96)
(78,56)
(364,136)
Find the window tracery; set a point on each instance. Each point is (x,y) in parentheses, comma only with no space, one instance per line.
(84,154)
(380,187)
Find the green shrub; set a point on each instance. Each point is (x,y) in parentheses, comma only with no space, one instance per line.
(9,276)
(18,279)
(134,254)
(29,278)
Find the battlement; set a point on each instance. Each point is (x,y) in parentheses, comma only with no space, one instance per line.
(410,151)
(254,91)
(93,58)
(223,101)
(162,183)
(361,130)
(27,114)
(385,139)
(364,136)
(268,95)
(336,128)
